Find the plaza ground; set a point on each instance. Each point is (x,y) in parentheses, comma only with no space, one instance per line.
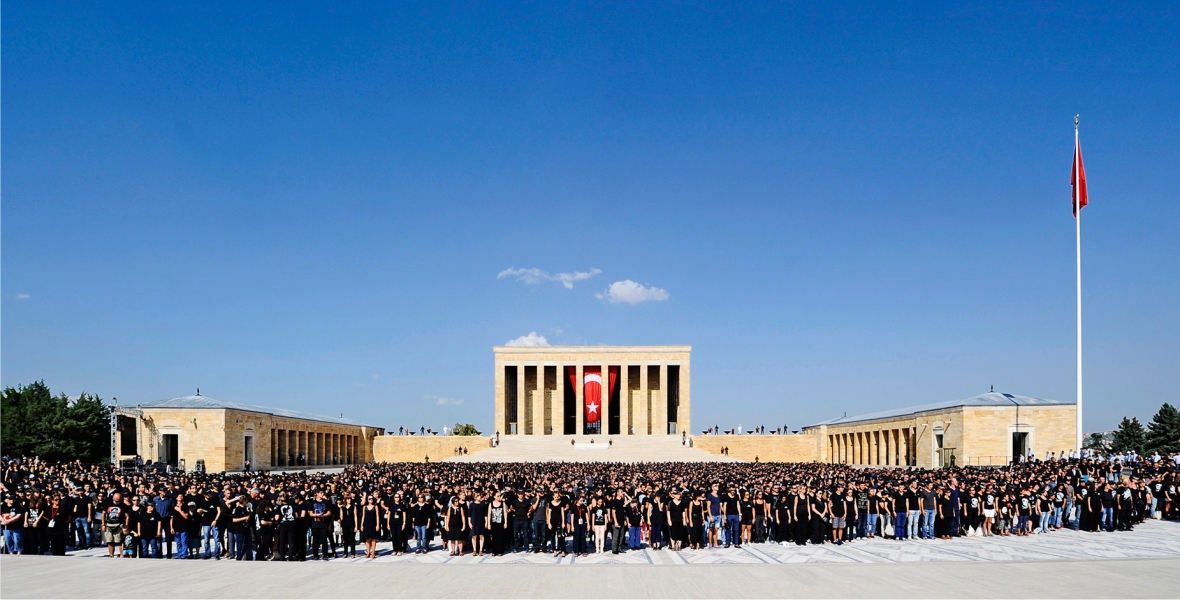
(1062,564)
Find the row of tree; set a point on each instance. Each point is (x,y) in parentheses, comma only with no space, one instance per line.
(1161,435)
(58,428)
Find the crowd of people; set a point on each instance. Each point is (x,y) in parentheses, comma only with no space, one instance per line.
(561,508)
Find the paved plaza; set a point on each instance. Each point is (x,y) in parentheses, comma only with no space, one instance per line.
(1066,563)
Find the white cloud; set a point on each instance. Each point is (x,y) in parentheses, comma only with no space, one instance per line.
(22,296)
(440,401)
(632,293)
(535,275)
(532,339)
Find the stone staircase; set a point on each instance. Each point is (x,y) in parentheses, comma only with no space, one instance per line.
(591,448)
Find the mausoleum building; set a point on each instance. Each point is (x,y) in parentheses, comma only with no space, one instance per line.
(585,390)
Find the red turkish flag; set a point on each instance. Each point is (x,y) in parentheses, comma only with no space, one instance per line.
(1078,180)
(592,393)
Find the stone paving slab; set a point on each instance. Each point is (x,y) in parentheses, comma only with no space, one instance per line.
(1153,539)
(49,577)
(1060,564)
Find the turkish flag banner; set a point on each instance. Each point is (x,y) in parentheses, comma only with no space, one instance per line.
(1078,180)
(592,393)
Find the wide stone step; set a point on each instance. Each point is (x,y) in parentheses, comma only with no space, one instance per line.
(597,448)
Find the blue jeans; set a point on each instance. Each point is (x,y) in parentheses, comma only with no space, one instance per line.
(899,521)
(420,538)
(1046,520)
(733,530)
(14,540)
(82,528)
(862,524)
(1071,523)
(181,545)
(1107,518)
(1056,517)
(520,534)
(634,537)
(912,524)
(928,524)
(871,524)
(211,540)
(146,545)
(538,536)
(237,545)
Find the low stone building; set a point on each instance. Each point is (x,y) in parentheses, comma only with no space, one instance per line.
(224,435)
(988,429)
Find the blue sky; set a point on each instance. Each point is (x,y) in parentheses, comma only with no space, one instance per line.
(842,208)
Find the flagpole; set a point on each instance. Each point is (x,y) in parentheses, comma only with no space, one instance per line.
(1078,237)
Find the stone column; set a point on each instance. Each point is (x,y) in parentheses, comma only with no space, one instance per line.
(538,401)
(663,402)
(624,402)
(559,402)
(684,416)
(522,422)
(579,416)
(644,401)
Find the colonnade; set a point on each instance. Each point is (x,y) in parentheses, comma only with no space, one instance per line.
(292,447)
(882,447)
(646,399)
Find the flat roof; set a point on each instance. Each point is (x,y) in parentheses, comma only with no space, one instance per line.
(560,349)
(995,399)
(191,402)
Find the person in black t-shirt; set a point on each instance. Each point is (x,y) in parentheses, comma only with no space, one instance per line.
(319,510)
(148,530)
(239,520)
(421,516)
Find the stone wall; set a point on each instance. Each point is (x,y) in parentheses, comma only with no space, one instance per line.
(415,448)
(989,431)
(766,448)
(217,436)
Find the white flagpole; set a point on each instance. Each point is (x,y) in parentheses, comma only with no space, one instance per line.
(1077,199)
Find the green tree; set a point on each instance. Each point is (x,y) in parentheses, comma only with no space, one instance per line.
(1164,435)
(1130,436)
(1096,442)
(36,423)
(467,429)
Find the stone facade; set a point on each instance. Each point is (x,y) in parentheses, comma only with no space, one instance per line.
(222,437)
(417,448)
(960,435)
(980,435)
(652,394)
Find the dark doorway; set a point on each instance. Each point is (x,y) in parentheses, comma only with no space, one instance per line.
(1019,444)
(673,397)
(510,405)
(170,449)
(569,414)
